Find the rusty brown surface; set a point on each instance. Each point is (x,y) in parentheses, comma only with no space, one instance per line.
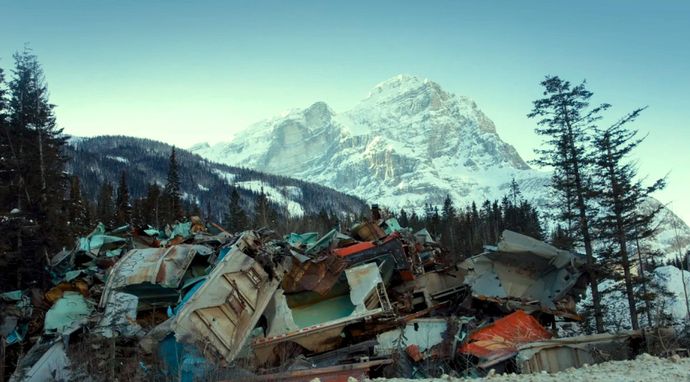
(318,275)
(57,291)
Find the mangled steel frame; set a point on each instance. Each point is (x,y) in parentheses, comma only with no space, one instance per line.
(525,273)
(367,298)
(219,317)
(152,274)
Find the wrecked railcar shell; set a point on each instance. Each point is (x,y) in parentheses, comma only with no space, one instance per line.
(152,274)
(221,314)
(318,275)
(526,271)
(391,249)
(318,326)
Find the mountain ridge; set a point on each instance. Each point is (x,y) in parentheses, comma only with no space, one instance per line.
(408,143)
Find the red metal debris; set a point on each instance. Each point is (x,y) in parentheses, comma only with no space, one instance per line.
(500,339)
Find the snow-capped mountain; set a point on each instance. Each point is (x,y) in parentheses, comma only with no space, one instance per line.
(409,142)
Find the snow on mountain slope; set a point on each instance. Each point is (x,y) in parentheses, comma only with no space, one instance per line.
(409,142)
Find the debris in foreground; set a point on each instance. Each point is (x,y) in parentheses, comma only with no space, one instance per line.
(194,302)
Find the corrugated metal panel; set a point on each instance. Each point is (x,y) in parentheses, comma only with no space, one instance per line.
(219,317)
(164,267)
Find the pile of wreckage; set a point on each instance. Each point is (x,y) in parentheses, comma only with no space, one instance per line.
(194,302)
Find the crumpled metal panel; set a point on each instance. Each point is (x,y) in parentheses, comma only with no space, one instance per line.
(327,318)
(513,242)
(559,354)
(500,340)
(524,269)
(119,318)
(318,274)
(67,312)
(44,362)
(164,267)
(423,332)
(219,317)
(98,239)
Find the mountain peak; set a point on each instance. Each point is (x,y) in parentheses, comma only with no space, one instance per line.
(400,84)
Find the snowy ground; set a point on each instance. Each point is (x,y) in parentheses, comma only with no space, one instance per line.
(644,368)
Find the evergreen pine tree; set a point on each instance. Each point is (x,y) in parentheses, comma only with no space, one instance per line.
(564,119)
(403,220)
(152,206)
(123,209)
(448,225)
(105,209)
(78,214)
(236,219)
(621,196)
(173,196)
(263,213)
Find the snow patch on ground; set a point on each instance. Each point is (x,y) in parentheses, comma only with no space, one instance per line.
(280,196)
(617,316)
(645,368)
(228,177)
(117,158)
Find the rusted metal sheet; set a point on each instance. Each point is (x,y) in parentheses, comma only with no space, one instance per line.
(562,353)
(318,274)
(219,317)
(525,270)
(317,327)
(391,249)
(368,231)
(152,274)
(499,340)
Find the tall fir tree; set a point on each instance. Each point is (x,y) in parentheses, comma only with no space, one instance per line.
(264,215)
(123,208)
(621,197)
(564,119)
(78,210)
(105,208)
(8,170)
(235,219)
(448,226)
(172,192)
(152,205)
(32,168)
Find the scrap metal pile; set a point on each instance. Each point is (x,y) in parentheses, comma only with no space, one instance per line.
(196,302)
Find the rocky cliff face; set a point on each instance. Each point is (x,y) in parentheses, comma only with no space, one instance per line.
(408,143)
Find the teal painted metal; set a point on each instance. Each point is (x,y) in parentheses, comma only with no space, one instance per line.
(70,310)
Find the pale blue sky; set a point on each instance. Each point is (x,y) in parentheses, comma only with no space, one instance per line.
(191,71)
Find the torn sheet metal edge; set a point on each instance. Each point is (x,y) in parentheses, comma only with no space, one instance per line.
(310,330)
(561,353)
(119,318)
(423,332)
(363,280)
(70,311)
(158,266)
(513,242)
(220,316)
(53,364)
